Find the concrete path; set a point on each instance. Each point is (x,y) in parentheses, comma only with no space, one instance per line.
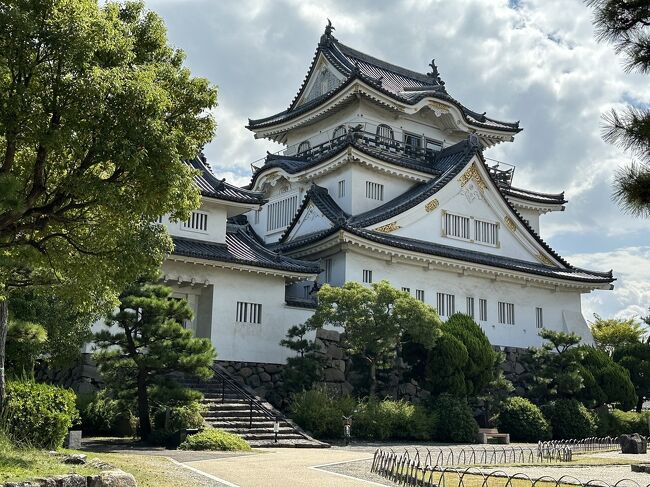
(284,467)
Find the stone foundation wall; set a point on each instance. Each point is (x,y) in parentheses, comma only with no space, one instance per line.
(515,367)
(82,377)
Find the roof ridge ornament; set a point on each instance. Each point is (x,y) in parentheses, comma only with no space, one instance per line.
(327,36)
(435,73)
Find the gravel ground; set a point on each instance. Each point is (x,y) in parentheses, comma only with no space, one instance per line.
(604,473)
(359,469)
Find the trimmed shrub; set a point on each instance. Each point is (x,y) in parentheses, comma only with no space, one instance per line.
(317,412)
(617,422)
(382,420)
(179,417)
(455,420)
(215,439)
(570,419)
(38,415)
(523,420)
(102,415)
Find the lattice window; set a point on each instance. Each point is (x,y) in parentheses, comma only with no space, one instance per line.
(342,188)
(406,290)
(482,310)
(279,213)
(303,147)
(539,317)
(198,222)
(457,226)
(506,313)
(249,312)
(419,294)
(328,271)
(340,131)
(470,307)
(446,304)
(374,191)
(384,134)
(367,276)
(486,232)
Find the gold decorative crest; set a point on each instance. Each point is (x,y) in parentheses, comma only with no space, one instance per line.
(431,205)
(510,223)
(545,260)
(389,227)
(473,174)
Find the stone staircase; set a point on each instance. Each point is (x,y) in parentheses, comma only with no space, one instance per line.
(231,407)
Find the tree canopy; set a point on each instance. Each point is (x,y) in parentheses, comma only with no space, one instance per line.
(610,334)
(97,113)
(376,321)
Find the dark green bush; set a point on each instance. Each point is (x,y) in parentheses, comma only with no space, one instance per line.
(319,413)
(617,422)
(387,419)
(215,439)
(38,415)
(523,420)
(25,343)
(570,419)
(102,415)
(455,420)
(179,417)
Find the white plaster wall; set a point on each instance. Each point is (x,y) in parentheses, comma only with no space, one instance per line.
(532,216)
(393,187)
(524,333)
(245,341)
(331,182)
(216,232)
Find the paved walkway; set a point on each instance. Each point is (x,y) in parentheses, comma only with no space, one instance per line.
(284,467)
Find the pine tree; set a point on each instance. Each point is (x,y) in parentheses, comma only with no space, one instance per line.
(626,26)
(150,343)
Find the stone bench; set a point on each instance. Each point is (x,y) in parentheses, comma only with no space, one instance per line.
(484,434)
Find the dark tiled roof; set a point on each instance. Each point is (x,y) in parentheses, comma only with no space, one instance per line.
(212,187)
(241,247)
(402,84)
(535,197)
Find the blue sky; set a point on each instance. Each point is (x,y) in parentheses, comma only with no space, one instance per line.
(535,61)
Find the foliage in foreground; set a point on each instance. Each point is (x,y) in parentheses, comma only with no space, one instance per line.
(215,439)
(616,423)
(456,420)
(25,342)
(523,420)
(38,415)
(570,419)
(136,359)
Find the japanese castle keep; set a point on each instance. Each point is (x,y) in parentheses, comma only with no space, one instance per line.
(383,177)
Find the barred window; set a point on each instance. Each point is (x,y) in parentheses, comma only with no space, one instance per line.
(406,289)
(539,317)
(342,189)
(367,276)
(279,213)
(482,310)
(384,133)
(198,221)
(506,313)
(328,271)
(457,226)
(374,191)
(446,304)
(419,294)
(485,232)
(249,312)
(340,131)
(304,147)
(470,307)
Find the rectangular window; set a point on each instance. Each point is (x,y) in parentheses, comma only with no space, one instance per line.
(328,271)
(249,312)
(256,216)
(506,313)
(482,310)
(412,141)
(367,276)
(374,191)
(406,289)
(279,213)
(419,294)
(470,307)
(306,290)
(432,146)
(198,222)
(457,226)
(342,189)
(446,304)
(485,232)
(539,317)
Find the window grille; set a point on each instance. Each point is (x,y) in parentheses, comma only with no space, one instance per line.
(279,213)
(406,289)
(198,221)
(539,317)
(482,310)
(470,307)
(374,191)
(342,189)
(506,313)
(304,147)
(249,312)
(485,232)
(446,304)
(457,226)
(340,131)
(419,294)
(328,271)
(384,134)
(367,276)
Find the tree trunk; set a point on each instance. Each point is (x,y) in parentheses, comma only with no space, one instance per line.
(373,379)
(639,404)
(4,324)
(143,406)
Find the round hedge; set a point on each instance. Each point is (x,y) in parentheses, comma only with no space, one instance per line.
(570,419)
(523,420)
(38,415)
(455,420)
